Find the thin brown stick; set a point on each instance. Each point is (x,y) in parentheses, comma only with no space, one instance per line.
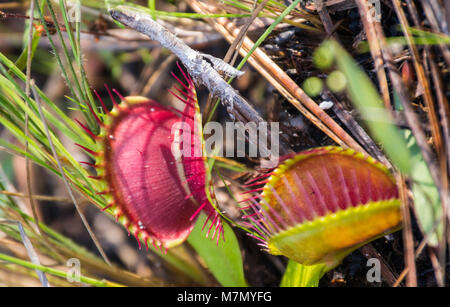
(434,22)
(408,239)
(410,114)
(437,267)
(406,270)
(432,116)
(325,18)
(445,163)
(443,106)
(243,31)
(418,251)
(438,177)
(375,50)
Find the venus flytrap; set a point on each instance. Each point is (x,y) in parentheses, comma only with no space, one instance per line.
(153,179)
(319,205)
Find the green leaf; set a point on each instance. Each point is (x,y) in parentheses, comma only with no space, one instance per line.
(224,260)
(427,204)
(299,275)
(366,99)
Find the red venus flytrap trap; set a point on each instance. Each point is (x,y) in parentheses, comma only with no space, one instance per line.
(319,205)
(153,175)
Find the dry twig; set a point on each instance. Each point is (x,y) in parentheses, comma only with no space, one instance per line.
(283,83)
(203,68)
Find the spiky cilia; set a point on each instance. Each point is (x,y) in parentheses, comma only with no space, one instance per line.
(319,205)
(155,194)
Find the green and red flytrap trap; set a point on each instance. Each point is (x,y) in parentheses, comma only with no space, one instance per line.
(319,205)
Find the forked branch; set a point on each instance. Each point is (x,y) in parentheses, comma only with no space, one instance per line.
(203,68)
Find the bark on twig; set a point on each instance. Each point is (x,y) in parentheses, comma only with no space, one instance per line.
(198,65)
(375,50)
(284,84)
(203,68)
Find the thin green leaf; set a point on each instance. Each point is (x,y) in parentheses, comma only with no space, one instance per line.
(366,99)
(74,42)
(268,31)
(64,123)
(428,39)
(68,59)
(427,203)
(59,273)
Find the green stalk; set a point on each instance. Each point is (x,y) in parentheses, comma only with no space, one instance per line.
(59,273)
(299,275)
(75,45)
(65,51)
